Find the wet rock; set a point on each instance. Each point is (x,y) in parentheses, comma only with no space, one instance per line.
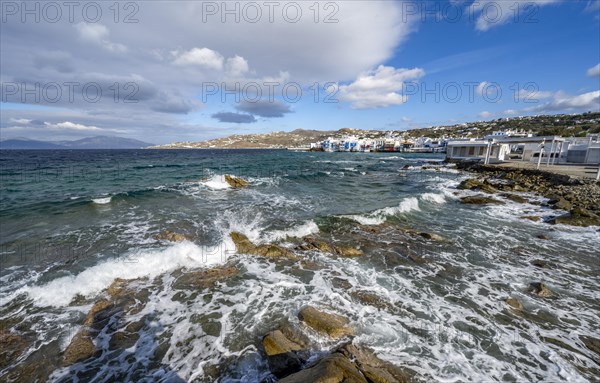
(98,313)
(515,198)
(334,368)
(542,236)
(562,204)
(336,326)
(432,236)
(168,235)
(475,184)
(341,283)
(578,217)
(245,246)
(204,279)
(82,347)
(514,303)
(540,289)
(374,369)
(371,299)
(12,347)
(281,354)
(236,182)
(310,243)
(532,218)
(540,263)
(591,343)
(480,200)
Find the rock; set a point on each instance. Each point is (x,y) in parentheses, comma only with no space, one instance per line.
(117,287)
(540,263)
(540,289)
(368,298)
(276,342)
(82,347)
(310,243)
(542,236)
(592,343)
(480,200)
(236,182)
(168,235)
(245,246)
(12,347)
(514,303)
(204,279)
(374,369)
(348,251)
(532,218)
(281,353)
(334,368)
(515,198)
(578,217)
(432,236)
(475,184)
(97,314)
(341,283)
(562,204)
(336,326)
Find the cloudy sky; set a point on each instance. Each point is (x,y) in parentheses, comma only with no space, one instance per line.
(164,71)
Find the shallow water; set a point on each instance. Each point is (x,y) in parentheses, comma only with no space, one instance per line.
(73,221)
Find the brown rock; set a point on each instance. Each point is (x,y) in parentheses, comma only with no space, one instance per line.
(480,200)
(12,346)
(276,342)
(168,235)
(336,326)
(432,236)
(542,236)
(81,348)
(591,343)
(532,218)
(204,279)
(245,246)
(236,182)
(540,289)
(515,198)
(348,251)
(95,314)
(514,303)
(374,369)
(334,368)
(368,298)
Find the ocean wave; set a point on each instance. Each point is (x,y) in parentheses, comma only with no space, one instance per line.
(102,201)
(143,263)
(433,197)
(380,216)
(298,231)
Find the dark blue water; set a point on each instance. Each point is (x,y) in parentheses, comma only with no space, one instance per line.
(73,221)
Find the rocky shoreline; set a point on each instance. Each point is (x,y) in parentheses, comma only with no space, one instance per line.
(580,197)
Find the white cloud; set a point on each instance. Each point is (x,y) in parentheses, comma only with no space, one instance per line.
(237,66)
(203,57)
(493,13)
(481,87)
(98,34)
(20,121)
(485,114)
(594,71)
(68,125)
(561,101)
(379,88)
(509,112)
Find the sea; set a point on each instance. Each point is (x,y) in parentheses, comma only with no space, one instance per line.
(73,221)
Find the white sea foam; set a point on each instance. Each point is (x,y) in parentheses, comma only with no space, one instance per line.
(101,201)
(379,216)
(146,263)
(433,197)
(299,231)
(216,182)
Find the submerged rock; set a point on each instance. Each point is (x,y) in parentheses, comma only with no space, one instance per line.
(591,343)
(245,246)
(204,279)
(533,218)
(82,347)
(12,347)
(578,217)
(540,289)
(475,184)
(310,243)
(480,200)
(281,354)
(515,198)
(334,325)
(236,182)
(374,369)
(514,303)
(432,236)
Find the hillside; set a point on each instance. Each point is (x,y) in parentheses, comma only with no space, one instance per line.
(98,142)
(564,125)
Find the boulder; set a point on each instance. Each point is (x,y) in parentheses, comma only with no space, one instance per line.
(245,246)
(578,217)
(480,200)
(276,342)
(168,235)
(540,289)
(371,299)
(515,198)
(204,279)
(281,354)
(540,263)
(336,326)
(310,243)
(236,182)
(348,251)
(12,347)
(374,369)
(514,303)
(334,368)
(475,184)
(432,236)
(82,347)
(591,343)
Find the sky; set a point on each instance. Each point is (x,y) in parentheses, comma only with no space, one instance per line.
(167,71)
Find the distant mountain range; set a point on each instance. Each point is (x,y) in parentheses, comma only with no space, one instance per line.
(98,142)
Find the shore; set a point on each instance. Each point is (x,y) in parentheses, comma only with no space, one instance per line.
(563,187)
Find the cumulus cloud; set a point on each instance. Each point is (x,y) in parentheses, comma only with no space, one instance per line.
(236,118)
(202,57)
(97,33)
(485,114)
(493,13)
(237,66)
(594,71)
(562,101)
(379,88)
(264,108)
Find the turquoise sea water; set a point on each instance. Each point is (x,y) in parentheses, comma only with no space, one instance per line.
(73,221)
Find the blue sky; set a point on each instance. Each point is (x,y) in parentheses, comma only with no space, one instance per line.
(393,65)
